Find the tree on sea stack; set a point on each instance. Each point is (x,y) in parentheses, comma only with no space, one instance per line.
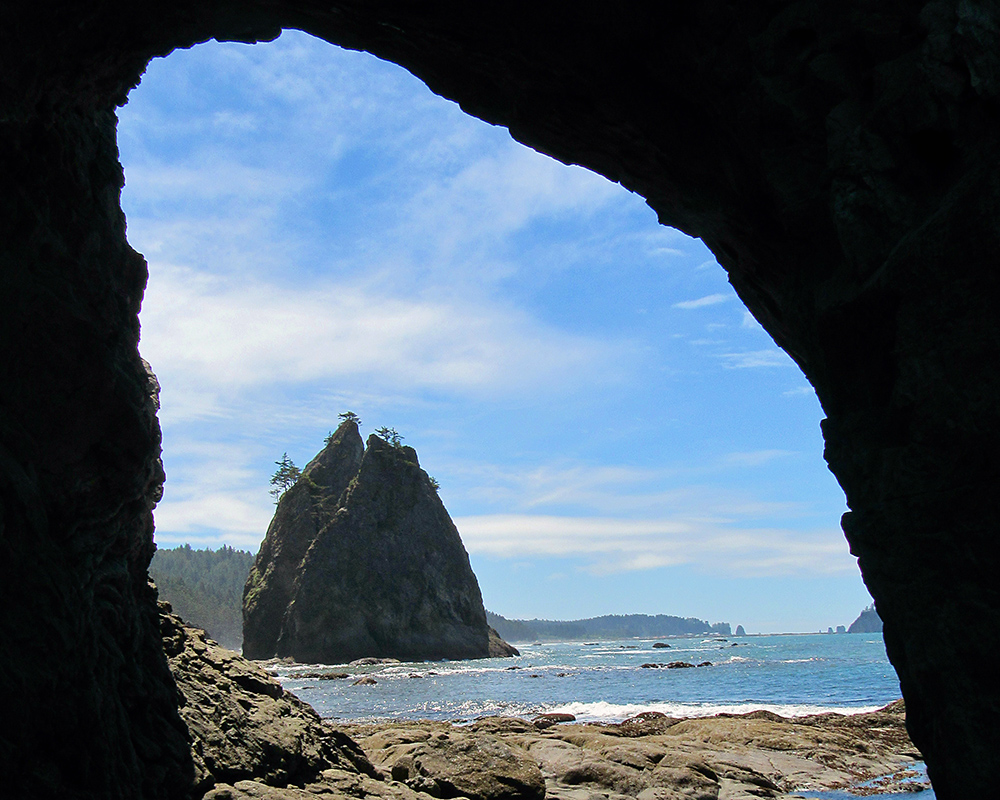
(284,477)
(390,435)
(347,416)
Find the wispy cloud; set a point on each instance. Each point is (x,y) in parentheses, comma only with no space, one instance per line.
(621,545)
(230,334)
(757,358)
(702,302)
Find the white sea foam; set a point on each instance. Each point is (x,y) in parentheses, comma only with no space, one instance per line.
(615,712)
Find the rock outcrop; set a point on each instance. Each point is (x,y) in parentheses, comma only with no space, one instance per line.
(363,561)
(839,161)
(648,757)
(868,621)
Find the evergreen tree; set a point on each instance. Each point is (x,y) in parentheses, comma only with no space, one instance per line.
(284,477)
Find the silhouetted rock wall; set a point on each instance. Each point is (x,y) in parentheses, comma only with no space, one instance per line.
(839,160)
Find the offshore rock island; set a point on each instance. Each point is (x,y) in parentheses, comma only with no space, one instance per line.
(362,560)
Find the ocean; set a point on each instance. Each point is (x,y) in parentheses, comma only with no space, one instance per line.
(791,675)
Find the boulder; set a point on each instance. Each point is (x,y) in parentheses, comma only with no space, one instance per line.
(446,762)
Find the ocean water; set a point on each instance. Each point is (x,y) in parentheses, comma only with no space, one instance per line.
(791,675)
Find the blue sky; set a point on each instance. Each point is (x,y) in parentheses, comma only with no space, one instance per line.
(611,429)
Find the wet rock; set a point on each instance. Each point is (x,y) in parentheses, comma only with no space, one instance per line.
(543,721)
(322,676)
(498,648)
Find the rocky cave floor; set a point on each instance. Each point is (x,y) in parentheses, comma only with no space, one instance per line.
(253,739)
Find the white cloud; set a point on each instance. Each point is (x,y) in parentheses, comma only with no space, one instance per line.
(757,358)
(221,334)
(613,545)
(701,302)
(237,519)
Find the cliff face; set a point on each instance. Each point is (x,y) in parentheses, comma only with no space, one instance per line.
(302,511)
(839,161)
(362,560)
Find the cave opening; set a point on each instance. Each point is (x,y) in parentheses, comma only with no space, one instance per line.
(324,233)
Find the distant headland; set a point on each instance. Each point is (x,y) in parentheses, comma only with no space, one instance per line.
(611,626)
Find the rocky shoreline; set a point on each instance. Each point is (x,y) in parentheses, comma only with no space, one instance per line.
(250,738)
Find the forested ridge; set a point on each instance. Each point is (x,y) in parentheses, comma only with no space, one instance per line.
(611,626)
(205,587)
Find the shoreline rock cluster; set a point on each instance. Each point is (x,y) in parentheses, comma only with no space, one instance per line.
(250,738)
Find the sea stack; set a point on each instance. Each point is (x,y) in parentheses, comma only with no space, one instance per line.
(362,560)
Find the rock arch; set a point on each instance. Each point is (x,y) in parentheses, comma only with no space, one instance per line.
(840,162)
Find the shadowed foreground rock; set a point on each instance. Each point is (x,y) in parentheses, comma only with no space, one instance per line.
(252,739)
(363,561)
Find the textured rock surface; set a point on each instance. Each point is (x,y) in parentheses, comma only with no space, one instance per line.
(449,762)
(840,161)
(242,724)
(656,758)
(302,511)
(363,561)
(88,701)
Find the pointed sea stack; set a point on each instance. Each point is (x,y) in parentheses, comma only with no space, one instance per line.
(362,560)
